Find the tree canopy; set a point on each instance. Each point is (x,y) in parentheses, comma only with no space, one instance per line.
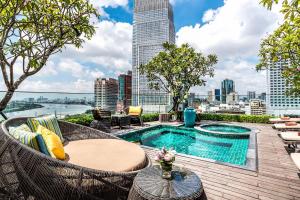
(177,69)
(284,44)
(33,30)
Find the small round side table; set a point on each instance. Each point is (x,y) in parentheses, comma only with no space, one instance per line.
(149,185)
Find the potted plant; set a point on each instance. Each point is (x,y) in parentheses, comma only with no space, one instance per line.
(166,159)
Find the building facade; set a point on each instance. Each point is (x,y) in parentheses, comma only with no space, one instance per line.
(125,89)
(227,88)
(257,107)
(153,24)
(217,95)
(232,98)
(278,103)
(106,94)
(251,95)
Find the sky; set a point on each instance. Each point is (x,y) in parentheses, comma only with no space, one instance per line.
(231,29)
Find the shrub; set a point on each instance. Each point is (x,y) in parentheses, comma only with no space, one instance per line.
(235,118)
(82,119)
(150,117)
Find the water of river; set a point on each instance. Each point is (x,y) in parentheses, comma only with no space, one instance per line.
(50,109)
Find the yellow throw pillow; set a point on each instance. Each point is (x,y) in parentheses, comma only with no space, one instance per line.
(53,143)
(135,110)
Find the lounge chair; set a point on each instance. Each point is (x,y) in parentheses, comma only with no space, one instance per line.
(296,158)
(28,174)
(135,112)
(291,138)
(284,126)
(283,120)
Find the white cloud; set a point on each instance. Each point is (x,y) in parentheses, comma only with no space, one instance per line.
(209,15)
(110,47)
(233,32)
(100,4)
(78,85)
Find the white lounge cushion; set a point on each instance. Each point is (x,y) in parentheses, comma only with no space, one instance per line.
(279,120)
(296,158)
(283,126)
(290,135)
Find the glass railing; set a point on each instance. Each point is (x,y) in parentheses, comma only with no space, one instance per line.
(62,104)
(48,103)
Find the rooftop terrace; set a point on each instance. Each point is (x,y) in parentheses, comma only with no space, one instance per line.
(276,178)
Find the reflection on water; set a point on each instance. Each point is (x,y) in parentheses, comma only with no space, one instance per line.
(50,109)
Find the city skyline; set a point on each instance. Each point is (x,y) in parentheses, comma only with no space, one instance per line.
(108,54)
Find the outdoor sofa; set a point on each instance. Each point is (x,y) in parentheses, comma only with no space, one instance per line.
(28,174)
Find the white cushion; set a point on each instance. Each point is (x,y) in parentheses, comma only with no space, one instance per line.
(296,158)
(290,135)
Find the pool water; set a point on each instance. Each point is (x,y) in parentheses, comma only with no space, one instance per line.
(226,128)
(224,148)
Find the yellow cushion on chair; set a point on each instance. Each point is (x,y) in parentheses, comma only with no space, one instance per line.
(53,143)
(135,110)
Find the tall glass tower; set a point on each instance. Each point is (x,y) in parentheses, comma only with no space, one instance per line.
(153,25)
(227,88)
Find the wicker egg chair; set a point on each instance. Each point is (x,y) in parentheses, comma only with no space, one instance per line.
(29,174)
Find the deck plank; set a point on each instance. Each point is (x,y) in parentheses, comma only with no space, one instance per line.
(277,177)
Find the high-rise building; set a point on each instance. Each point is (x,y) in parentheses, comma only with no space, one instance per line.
(153,25)
(232,98)
(251,95)
(217,95)
(125,90)
(263,96)
(210,96)
(278,103)
(257,107)
(227,88)
(106,94)
(214,96)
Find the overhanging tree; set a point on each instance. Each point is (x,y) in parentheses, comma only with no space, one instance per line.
(33,30)
(176,69)
(284,44)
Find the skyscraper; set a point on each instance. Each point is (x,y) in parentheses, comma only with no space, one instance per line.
(251,95)
(125,90)
(106,94)
(227,88)
(278,103)
(217,94)
(153,25)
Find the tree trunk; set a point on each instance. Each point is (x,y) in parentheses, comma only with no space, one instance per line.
(175,104)
(6,99)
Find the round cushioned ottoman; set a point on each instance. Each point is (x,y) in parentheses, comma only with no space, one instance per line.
(106,154)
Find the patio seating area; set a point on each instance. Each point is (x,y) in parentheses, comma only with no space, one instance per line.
(27,173)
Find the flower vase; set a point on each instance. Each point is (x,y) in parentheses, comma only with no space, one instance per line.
(166,170)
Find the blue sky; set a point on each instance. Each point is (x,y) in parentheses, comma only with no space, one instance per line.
(231,29)
(186,13)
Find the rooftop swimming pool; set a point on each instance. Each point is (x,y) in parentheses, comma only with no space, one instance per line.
(224,128)
(223,148)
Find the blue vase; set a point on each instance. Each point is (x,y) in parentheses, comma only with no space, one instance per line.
(189,117)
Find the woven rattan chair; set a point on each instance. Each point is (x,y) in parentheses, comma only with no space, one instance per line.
(28,174)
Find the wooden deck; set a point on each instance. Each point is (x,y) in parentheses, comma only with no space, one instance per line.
(277,177)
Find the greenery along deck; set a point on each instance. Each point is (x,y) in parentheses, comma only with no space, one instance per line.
(86,119)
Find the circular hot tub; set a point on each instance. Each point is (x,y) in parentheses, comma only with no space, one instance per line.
(226,128)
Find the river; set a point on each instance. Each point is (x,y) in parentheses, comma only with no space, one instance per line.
(50,109)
